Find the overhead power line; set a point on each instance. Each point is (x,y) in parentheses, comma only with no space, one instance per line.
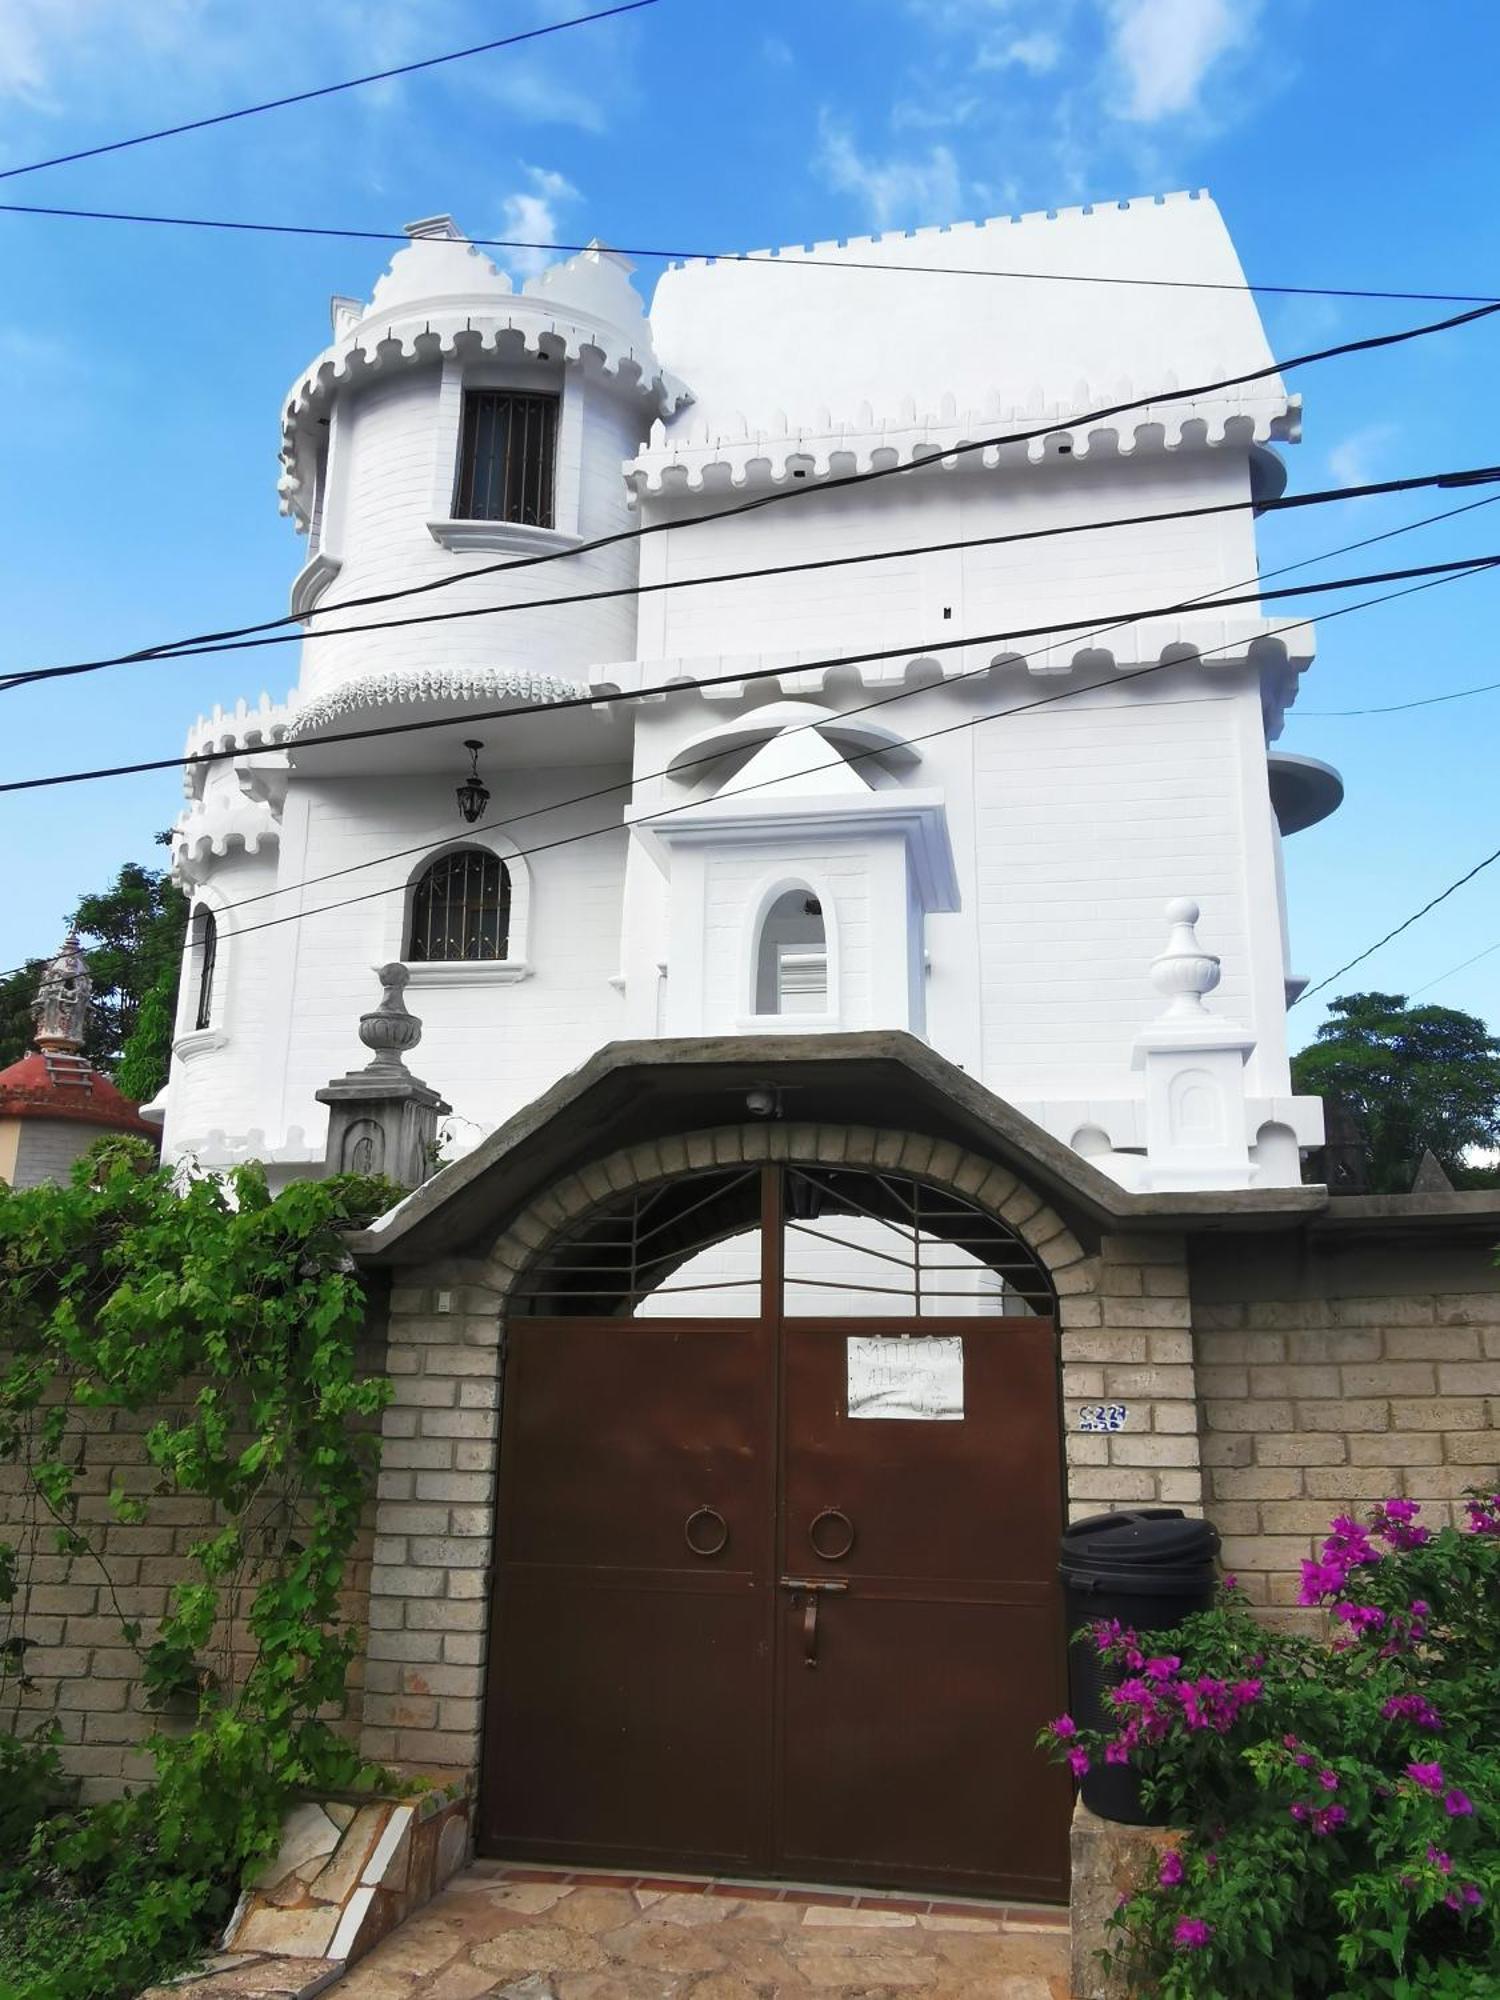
(793,258)
(1367,344)
(1462,966)
(327,89)
(1405,925)
(242,641)
(1041,701)
(855,757)
(863,708)
(601,698)
(1401,707)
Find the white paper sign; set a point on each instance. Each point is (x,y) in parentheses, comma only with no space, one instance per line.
(920,1380)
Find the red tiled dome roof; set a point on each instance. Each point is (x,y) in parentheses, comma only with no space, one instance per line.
(40,1086)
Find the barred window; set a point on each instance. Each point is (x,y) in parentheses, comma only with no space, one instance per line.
(505,461)
(460,908)
(205,954)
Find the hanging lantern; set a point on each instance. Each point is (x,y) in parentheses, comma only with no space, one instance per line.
(473,796)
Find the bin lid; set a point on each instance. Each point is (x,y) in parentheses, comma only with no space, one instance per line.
(1160,1538)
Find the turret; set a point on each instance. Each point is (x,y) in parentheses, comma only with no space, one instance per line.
(457,424)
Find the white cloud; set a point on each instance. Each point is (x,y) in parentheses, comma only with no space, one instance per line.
(1039,53)
(777,52)
(40,39)
(532,90)
(529,214)
(897,190)
(910,115)
(1354,460)
(1164,50)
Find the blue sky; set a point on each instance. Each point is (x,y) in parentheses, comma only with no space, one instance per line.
(141,370)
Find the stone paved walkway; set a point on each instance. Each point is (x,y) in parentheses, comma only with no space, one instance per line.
(533,1934)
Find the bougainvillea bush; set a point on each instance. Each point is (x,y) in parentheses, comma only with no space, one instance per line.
(1340,1796)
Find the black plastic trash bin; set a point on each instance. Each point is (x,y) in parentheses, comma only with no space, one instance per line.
(1149,1567)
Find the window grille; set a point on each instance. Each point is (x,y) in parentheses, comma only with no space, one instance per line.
(506,460)
(461,908)
(855,1243)
(206,942)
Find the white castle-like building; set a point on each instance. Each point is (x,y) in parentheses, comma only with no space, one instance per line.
(829,795)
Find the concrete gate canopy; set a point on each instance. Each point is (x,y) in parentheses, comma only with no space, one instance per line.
(636,1093)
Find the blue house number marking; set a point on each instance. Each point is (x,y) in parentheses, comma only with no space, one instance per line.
(1103,1416)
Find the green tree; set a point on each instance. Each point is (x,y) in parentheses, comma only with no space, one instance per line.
(16,995)
(132,934)
(1416,1079)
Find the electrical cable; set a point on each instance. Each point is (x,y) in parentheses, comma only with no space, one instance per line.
(1405,925)
(864,708)
(1388,708)
(791,258)
(854,757)
(327,89)
(1367,344)
(600,698)
(242,641)
(968,722)
(1463,966)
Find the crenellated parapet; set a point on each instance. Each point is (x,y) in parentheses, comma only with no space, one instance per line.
(443,299)
(734,451)
(234,799)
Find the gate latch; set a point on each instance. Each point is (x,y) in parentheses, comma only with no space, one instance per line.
(810,1589)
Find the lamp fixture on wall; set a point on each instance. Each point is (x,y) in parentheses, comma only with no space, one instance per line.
(473,796)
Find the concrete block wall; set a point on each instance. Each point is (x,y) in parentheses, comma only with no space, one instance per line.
(1127,1339)
(85,1672)
(1128,798)
(34,1150)
(980,589)
(1316,1406)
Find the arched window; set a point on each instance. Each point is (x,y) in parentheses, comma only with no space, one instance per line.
(205,957)
(791,960)
(460,908)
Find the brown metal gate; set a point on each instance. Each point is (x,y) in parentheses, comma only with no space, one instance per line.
(740,1630)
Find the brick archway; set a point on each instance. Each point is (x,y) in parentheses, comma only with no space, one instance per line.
(1122,1313)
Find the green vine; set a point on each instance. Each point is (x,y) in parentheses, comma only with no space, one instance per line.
(232,1318)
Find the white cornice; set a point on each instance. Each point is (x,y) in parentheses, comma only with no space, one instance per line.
(920,818)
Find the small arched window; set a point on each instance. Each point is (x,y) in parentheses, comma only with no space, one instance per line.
(205,957)
(460,908)
(791,960)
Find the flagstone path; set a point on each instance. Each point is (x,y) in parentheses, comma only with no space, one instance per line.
(536,1934)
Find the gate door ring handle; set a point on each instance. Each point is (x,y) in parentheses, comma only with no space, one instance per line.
(831,1534)
(709,1539)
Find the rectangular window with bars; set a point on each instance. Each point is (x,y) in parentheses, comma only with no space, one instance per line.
(507,458)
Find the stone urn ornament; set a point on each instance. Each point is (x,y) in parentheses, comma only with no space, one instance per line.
(1184,972)
(390,1029)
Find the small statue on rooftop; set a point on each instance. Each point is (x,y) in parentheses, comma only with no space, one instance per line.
(61,1006)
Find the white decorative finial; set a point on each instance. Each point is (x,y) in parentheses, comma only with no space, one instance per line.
(1184,972)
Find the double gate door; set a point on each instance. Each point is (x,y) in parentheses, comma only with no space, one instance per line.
(746,1623)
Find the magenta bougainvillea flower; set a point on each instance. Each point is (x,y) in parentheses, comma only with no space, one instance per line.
(1192,1933)
(1428,1776)
(1412,1708)
(1169,1874)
